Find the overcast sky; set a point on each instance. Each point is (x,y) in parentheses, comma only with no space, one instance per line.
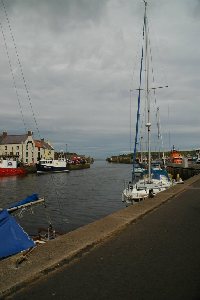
(80,59)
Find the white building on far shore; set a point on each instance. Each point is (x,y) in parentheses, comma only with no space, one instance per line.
(28,150)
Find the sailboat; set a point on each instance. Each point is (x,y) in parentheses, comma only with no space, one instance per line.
(154,180)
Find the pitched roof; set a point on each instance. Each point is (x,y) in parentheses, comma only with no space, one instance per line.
(13,139)
(43,144)
(38,143)
(6,139)
(47,146)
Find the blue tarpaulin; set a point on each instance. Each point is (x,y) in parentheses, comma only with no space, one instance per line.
(13,239)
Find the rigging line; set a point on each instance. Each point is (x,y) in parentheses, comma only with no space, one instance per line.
(20,66)
(26,88)
(155,99)
(138,107)
(48,216)
(23,77)
(130,121)
(57,197)
(154,91)
(13,77)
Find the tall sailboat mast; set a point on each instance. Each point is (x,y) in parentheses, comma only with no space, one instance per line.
(138,110)
(148,123)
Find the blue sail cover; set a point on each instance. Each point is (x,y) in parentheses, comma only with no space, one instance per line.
(13,239)
(32,198)
(156,174)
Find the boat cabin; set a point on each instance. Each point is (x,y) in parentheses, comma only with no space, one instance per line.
(8,163)
(176,157)
(198,156)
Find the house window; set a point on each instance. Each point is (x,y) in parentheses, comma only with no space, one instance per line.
(17,153)
(17,147)
(26,154)
(5,147)
(27,147)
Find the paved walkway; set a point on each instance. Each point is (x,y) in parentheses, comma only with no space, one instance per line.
(155,256)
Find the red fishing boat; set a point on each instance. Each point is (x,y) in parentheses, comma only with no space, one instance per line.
(9,167)
(176,157)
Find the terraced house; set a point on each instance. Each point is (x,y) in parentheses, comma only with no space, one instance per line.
(28,150)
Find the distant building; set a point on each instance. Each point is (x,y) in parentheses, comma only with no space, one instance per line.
(43,150)
(23,146)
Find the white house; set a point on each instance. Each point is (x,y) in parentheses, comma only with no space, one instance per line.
(24,147)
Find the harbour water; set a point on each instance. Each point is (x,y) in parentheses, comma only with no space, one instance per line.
(72,199)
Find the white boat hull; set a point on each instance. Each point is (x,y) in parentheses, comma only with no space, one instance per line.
(131,195)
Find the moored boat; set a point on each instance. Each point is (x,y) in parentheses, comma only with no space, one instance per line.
(9,167)
(154,179)
(52,165)
(176,157)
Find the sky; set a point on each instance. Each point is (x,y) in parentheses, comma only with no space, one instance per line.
(70,70)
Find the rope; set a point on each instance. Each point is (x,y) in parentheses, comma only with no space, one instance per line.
(27,92)
(13,77)
(57,197)
(20,66)
(157,109)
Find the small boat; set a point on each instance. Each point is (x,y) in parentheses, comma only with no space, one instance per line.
(9,167)
(143,188)
(176,157)
(52,165)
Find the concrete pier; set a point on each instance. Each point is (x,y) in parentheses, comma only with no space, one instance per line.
(71,246)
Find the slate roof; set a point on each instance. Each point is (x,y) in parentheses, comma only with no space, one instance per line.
(13,139)
(18,139)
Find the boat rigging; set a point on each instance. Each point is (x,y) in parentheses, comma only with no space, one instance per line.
(154,180)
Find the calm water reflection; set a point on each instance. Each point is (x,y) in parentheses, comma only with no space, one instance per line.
(72,200)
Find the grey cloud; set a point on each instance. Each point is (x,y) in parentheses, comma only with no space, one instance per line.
(81,58)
